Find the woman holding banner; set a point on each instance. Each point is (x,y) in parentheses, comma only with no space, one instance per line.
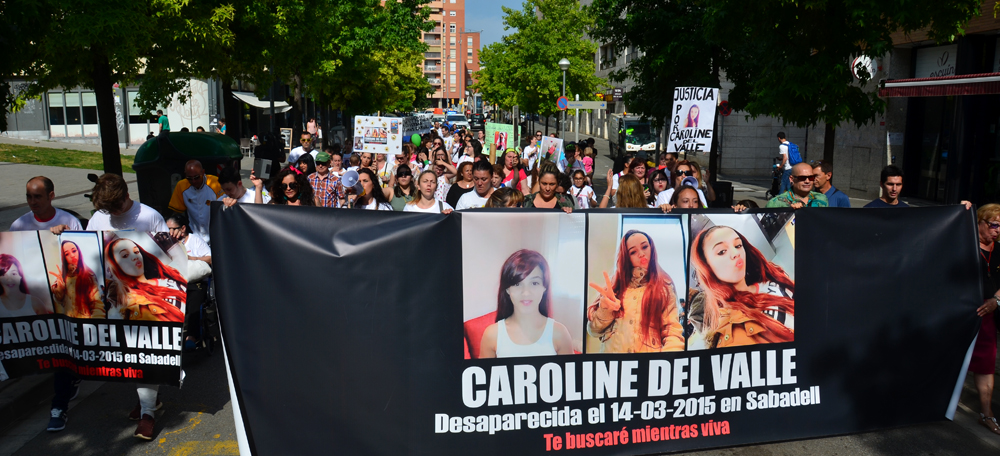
(984,353)
(747,299)
(637,311)
(15,298)
(523,326)
(75,286)
(142,287)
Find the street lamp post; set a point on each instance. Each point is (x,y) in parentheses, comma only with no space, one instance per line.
(563,65)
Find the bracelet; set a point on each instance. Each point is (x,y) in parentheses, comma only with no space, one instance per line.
(605,196)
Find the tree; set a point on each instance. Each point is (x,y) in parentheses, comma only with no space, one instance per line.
(94,44)
(523,68)
(787,59)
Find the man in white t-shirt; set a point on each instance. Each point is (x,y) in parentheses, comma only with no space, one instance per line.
(306,148)
(233,188)
(40,191)
(482,180)
(117,211)
(786,165)
(193,196)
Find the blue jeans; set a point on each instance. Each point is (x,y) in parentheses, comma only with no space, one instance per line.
(785,185)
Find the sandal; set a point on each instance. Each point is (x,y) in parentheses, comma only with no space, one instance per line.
(990,423)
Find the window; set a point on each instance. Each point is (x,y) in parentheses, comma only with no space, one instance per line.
(469,52)
(89,108)
(451,41)
(452,80)
(451,1)
(452,53)
(451,13)
(469,61)
(469,41)
(453,89)
(451,66)
(56,115)
(451,28)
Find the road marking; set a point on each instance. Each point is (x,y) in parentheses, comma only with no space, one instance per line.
(225,448)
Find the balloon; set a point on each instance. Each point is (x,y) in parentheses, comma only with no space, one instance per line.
(415,139)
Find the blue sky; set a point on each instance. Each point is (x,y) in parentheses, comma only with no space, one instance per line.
(487,16)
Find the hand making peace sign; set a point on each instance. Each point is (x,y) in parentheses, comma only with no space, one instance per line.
(608,299)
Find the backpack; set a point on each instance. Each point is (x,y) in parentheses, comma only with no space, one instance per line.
(793,154)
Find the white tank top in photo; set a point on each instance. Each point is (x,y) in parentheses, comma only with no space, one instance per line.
(24,311)
(506,348)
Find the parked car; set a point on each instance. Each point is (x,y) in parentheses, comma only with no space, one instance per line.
(458,120)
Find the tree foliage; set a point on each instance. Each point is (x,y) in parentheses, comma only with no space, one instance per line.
(523,68)
(789,59)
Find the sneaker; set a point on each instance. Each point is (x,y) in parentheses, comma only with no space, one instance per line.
(145,428)
(134,414)
(58,421)
(76,389)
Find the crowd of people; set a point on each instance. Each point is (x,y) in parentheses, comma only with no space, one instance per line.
(446,170)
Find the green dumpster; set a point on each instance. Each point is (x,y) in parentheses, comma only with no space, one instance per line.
(159,162)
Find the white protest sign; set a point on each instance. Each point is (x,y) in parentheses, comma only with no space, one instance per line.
(692,122)
(379,135)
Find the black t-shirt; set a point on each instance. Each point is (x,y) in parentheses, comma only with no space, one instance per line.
(879,203)
(456,192)
(990,272)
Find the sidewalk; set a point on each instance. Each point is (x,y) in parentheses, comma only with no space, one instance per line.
(49,144)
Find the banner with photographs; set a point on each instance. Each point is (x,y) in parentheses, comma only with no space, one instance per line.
(605,332)
(692,121)
(105,305)
(500,135)
(378,135)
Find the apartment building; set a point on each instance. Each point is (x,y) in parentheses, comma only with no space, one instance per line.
(452,55)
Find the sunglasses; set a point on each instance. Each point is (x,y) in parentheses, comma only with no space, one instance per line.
(305,139)
(804,178)
(686,173)
(322,163)
(292,186)
(192,178)
(993,226)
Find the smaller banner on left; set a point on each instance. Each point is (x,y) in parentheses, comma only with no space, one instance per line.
(104,305)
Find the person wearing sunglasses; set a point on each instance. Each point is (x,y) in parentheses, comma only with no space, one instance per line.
(291,189)
(193,196)
(982,365)
(801,193)
(306,147)
(684,174)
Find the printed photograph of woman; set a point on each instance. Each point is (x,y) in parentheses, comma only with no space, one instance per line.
(522,284)
(24,286)
(16,299)
(141,286)
(692,118)
(523,327)
(75,285)
(740,295)
(637,306)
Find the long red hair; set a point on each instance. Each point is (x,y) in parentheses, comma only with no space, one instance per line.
(153,268)
(85,280)
(659,290)
(719,294)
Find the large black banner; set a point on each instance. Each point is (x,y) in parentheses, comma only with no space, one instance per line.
(603,332)
(105,305)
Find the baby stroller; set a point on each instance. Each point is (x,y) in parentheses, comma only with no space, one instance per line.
(204,323)
(776,173)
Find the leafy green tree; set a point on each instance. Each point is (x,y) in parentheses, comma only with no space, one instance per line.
(94,44)
(523,68)
(787,59)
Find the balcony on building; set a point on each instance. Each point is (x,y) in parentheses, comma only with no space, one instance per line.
(434,81)
(432,69)
(432,42)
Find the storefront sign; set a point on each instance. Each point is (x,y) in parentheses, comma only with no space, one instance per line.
(936,62)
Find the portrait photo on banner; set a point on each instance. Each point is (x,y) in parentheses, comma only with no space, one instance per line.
(145,275)
(552,149)
(76,272)
(742,280)
(523,281)
(636,269)
(24,288)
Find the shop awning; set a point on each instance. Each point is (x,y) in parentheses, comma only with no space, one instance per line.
(966,84)
(250,99)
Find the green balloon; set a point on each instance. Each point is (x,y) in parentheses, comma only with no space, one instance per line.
(415,139)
